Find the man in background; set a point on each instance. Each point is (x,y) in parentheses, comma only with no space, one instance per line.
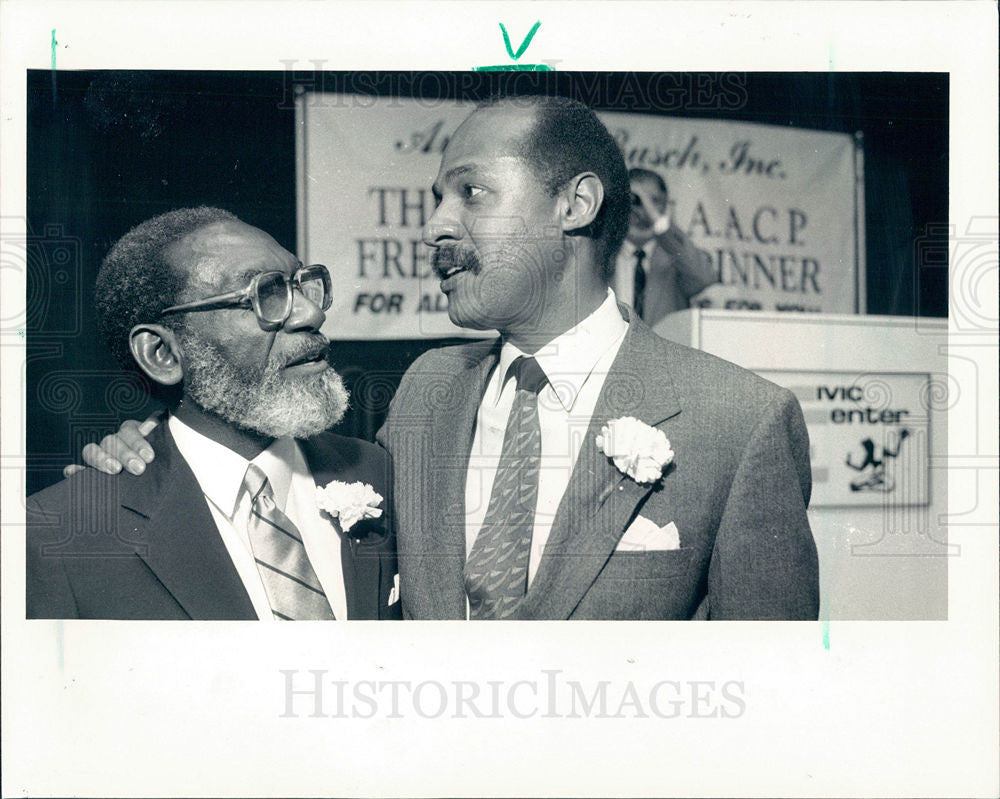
(658,269)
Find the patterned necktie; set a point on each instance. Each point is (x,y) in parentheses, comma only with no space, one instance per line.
(639,286)
(496,572)
(292,588)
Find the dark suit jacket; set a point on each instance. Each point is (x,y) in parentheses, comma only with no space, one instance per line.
(146,547)
(737,492)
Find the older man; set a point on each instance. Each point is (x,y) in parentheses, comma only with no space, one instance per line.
(226,522)
(578,466)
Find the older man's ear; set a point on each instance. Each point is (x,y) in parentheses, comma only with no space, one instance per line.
(157,352)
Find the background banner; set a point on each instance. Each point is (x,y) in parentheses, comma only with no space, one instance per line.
(776,209)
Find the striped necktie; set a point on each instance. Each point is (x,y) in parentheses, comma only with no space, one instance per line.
(496,571)
(292,588)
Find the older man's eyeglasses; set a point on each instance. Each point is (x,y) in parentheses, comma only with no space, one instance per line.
(271,295)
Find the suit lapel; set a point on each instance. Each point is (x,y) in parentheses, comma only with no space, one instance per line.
(362,571)
(452,432)
(599,500)
(185,550)
(360,563)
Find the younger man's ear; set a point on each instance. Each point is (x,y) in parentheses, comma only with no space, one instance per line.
(158,353)
(582,199)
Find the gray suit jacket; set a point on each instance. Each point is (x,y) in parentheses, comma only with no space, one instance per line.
(737,492)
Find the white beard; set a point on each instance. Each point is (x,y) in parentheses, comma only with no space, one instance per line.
(270,404)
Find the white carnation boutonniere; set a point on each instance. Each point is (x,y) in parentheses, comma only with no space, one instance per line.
(349,502)
(638,450)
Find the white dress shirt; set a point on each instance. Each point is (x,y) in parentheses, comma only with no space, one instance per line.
(220,472)
(624,280)
(576,364)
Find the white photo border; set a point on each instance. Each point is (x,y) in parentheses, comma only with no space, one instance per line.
(849,709)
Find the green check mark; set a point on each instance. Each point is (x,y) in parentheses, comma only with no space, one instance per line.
(524,44)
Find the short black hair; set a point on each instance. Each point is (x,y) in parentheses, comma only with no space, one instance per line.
(566,139)
(638,173)
(136,282)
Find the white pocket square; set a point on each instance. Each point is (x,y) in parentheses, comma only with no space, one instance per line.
(394,593)
(645,535)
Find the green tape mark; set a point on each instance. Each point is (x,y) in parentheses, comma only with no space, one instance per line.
(516,55)
(524,45)
(54,43)
(826,634)
(514,68)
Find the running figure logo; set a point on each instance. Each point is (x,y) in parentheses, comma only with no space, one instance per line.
(872,469)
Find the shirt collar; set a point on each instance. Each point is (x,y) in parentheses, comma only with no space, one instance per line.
(628,250)
(220,471)
(647,248)
(569,359)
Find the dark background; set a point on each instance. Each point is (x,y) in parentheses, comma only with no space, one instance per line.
(106,150)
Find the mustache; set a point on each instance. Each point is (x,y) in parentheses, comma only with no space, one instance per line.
(445,259)
(313,346)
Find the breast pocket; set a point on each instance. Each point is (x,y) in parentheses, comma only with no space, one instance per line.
(647,565)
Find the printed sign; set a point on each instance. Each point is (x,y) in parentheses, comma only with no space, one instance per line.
(774,208)
(868,435)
